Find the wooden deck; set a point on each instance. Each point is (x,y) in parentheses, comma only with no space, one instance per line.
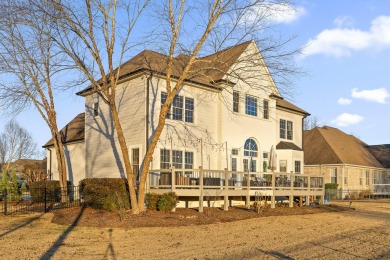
(229,185)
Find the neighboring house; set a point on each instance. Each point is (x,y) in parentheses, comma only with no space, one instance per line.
(344,159)
(21,165)
(215,121)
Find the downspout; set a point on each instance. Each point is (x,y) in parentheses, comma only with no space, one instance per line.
(147,123)
(147,112)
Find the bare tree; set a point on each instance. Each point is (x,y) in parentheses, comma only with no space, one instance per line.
(96,34)
(15,143)
(31,67)
(311,122)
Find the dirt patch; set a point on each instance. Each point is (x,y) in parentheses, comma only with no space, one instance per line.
(89,217)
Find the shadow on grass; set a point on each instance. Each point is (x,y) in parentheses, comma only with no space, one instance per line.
(49,253)
(30,220)
(110,249)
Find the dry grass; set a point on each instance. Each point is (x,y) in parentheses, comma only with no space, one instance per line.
(361,233)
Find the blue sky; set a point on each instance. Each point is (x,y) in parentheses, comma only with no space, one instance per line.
(347,63)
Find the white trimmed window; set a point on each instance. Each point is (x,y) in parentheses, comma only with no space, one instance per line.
(236,101)
(285,129)
(250,106)
(181,109)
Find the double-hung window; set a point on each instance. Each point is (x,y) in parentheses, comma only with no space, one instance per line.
(236,101)
(163,99)
(285,129)
(283,166)
(265,109)
(333,175)
(189,110)
(250,105)
(177,108)
(297,167)
(135,157)
(165,159)
(181,109)
(188,161)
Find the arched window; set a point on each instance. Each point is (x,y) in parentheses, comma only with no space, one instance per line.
(250,148)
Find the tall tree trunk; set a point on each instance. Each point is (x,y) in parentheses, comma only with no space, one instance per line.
(149,153)
(126,159)
(61,161)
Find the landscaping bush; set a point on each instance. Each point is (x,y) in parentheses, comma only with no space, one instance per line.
(365,194)
(331,186)
(152,200)
(53,191)
(167,201)
(331,190)
(105,193)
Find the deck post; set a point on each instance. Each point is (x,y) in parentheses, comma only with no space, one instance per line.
(173,179)
(273,191)
(226,197)
(200,189)
(308,191)
(291,197)
(248,198)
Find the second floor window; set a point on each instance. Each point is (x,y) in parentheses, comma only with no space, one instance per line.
(286,129)
(181,109)
(265,109)
(177,108)
(250,106)
(236,101)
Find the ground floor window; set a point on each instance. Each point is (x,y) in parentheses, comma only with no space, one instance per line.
(283,165)
(178,160)
(367,178)
(135,157)
(165,161)
(297,166)
(234,164)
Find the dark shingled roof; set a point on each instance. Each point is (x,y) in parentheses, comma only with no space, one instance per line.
(205,70)
(72,132)
(328,145)
(281,103)
(381,153)
(287,146)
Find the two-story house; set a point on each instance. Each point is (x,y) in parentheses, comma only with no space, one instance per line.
(228,115)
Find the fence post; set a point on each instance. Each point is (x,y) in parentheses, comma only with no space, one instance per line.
(45,198)
(5,195)
(173,179)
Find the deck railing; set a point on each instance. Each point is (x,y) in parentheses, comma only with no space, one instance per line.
(198,182)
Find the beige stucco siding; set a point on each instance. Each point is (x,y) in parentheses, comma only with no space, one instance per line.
(103,153)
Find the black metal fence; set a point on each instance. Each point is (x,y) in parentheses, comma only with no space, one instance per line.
(35,200)
(332,194)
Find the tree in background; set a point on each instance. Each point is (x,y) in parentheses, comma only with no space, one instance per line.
(31,67)
(15,143)
(311,122)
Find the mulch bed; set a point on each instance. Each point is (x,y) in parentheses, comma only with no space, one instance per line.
(89,217)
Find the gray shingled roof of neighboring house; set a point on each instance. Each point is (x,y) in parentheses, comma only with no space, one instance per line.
(381,153)
(328,145)
(72,132)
